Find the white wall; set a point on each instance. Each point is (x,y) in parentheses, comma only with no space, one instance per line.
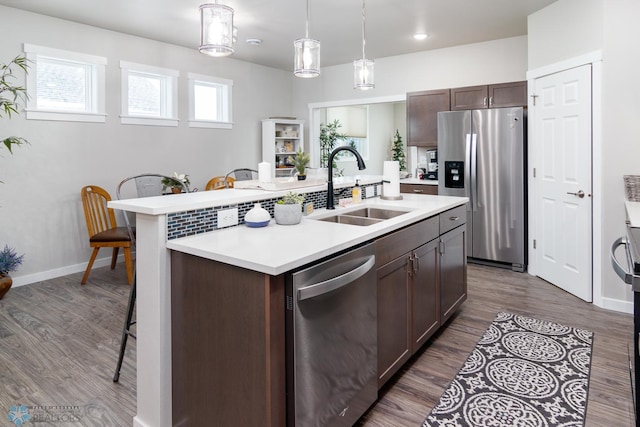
(568,29)
(495,61)
(40,209)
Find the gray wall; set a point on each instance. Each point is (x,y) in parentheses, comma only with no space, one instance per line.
(40,209)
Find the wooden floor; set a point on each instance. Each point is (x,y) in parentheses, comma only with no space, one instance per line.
(59,344)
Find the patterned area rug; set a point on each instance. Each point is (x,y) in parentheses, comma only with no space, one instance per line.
(524,372)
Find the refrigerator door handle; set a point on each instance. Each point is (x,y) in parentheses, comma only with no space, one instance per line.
(474,172)
(467,169)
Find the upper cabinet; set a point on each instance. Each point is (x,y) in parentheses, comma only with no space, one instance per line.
(512,94)
(422,116)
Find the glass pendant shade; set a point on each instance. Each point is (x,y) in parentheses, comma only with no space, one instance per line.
(216,29)
(363,77)
(306,59)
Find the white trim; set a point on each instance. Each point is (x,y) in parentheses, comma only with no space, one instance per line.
(210,124)
(617,305)
(148,121)
(314,118)
(224,100)
(143,68)
(64,271)
(169,102)
(63,116)
(64,54)
(577,61)
(97,86)
(211,79)
(599,252)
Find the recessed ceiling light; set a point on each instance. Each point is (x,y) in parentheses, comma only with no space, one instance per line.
(420,36)
(254,42)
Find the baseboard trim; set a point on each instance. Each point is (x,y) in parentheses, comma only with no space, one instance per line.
(617,305)
(63,271)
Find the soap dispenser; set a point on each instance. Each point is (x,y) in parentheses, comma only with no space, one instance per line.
(356,193)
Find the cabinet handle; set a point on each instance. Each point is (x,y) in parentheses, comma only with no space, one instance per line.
(416,265)
(454,218)
(484,101)
(410,267)
(418,191)
(490,101)
(441,247)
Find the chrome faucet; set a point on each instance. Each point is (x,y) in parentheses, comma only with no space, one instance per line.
(361,166)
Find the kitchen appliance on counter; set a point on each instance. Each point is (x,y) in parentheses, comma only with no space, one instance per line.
(432,165)
(331,338)
(631,275)
(481,155)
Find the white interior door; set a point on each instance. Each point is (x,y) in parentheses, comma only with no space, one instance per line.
(562,141)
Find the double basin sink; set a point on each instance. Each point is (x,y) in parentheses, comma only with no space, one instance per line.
(364,216)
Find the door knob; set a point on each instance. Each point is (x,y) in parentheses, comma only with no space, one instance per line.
(579,194)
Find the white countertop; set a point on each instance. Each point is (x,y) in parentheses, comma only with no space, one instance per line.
(203,199)
(276,249)
(633,213)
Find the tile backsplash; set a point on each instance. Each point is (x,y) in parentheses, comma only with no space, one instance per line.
(189,223)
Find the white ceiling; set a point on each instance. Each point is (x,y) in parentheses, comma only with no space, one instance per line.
(337,24)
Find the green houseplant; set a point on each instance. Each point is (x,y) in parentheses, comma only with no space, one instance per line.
(329,137)
(397,150)
(11,97)
(300,163)
(288,210)
(9,261)
(176,183)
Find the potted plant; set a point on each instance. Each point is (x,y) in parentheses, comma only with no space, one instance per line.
(10,97)
(288,210)
(9,261)
(329,137)
(176,183)
(300,163)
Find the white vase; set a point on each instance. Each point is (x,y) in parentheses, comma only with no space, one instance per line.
(287,214)
(257,217)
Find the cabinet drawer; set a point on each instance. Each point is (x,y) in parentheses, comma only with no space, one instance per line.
(453,218)
(404,240)
(419,189)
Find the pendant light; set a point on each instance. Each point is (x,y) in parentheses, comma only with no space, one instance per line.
(216,29)
(363,68)
(306,59)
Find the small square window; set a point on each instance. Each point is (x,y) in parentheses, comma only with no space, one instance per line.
(63,85)
(209,102)
(149,95)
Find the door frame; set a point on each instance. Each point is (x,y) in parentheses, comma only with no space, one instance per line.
(598,251)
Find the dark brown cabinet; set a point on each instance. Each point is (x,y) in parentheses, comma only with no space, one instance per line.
(419,189)
(422,116)
(419,288)
(453,272)
(513,94)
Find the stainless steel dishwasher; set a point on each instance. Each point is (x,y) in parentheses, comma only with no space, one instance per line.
(331,324)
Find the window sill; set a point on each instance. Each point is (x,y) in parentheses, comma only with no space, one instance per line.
(65,116)
(210,124)
(148,121)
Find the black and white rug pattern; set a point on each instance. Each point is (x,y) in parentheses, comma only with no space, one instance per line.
(523,372)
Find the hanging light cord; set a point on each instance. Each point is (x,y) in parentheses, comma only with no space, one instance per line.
(363,24)
(307,26)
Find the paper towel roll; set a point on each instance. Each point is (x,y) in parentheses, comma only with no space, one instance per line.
(264,172)
(391,173)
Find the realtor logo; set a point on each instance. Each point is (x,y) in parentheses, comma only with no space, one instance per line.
(18,415)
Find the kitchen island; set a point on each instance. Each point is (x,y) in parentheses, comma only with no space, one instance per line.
(253,260)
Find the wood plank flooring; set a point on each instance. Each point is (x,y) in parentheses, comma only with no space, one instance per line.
(59,345)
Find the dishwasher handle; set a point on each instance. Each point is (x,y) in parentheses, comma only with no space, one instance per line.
(619,269)
(337,282)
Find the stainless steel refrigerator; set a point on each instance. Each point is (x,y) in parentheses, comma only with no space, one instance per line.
(482,155)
